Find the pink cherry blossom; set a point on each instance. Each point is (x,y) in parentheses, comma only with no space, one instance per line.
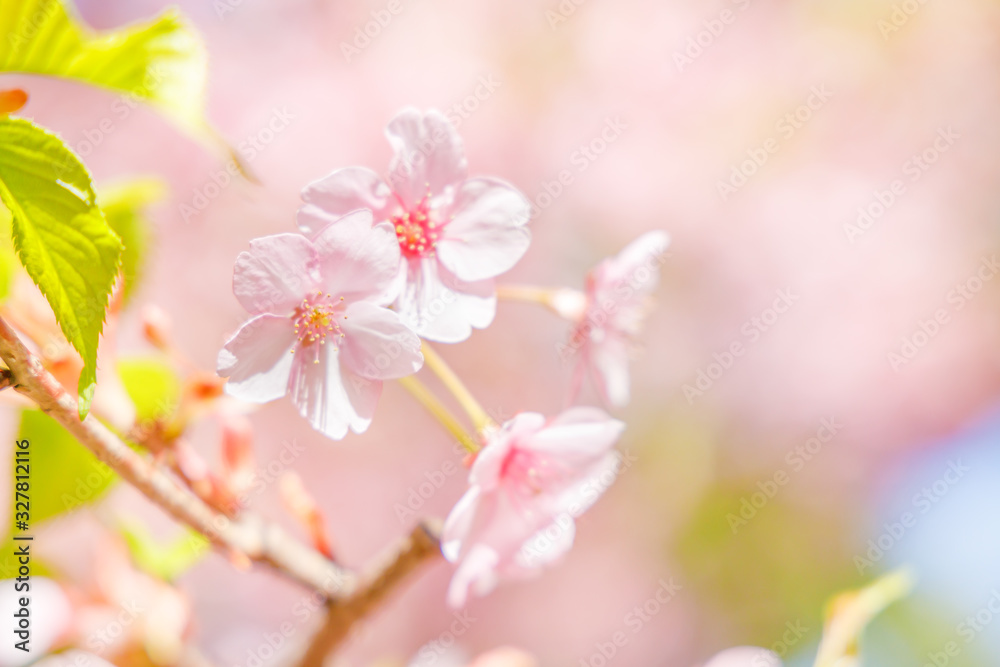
(505,657)
(609,316)
(320,331)
(745,656)
(455,233)
(527,485)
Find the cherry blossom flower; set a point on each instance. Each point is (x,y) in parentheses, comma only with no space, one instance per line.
(745,656)
(526,486)
(72,658)
(608,317)
(455,234)
(505,657)
(320,331)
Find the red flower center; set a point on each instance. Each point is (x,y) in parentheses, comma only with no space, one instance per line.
(416,232)
(529,473)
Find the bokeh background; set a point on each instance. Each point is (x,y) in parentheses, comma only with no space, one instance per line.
(890,343)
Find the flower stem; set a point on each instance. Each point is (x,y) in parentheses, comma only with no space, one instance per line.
(480,419)
(525,293)
(567,303)
(852,612)
(434,406)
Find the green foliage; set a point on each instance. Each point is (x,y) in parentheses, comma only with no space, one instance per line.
(63,476)
(8,258)
(60,235)
(161,62)
(153,386)
(123,206)
(164,561)
(781,566)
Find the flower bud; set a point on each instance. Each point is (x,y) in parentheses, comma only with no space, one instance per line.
(156,325)
(567,303)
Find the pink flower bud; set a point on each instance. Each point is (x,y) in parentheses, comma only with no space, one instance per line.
(303,507)
(156,326)
(238,464)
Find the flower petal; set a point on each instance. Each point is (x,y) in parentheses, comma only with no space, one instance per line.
(745,656)
(275,274)
(505,657)
(638,264)
(53,617)
(70,658)
(477,571)
(487,235)
(546,546)
(578,435)
(458,525)
(357,260)
(609,365)
(257,360)
(487,469)
(341,192)
(591,484)
(376,343)
(332,400)
(440,307)
(429,154)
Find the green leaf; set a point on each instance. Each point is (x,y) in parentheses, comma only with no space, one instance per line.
(123,206)
(63,475)
(60,236)
(166,562)
(162,62)
(152,385)
(8,258)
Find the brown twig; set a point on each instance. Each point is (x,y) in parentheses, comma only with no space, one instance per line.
(349,599)
(6,378)
(422,545)
(259,541)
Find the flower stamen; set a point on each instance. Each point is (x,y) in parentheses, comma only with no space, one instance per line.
(315,319)
(416,231)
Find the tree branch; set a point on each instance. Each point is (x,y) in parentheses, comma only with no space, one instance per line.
(422,545)
(349,599)
(259,541)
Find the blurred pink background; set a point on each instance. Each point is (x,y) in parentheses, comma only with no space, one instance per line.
(886,95)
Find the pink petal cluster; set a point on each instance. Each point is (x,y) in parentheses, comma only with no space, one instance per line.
(529,482)
(609,318)
(505,657)
(320,330)
(745,656)
(455,234)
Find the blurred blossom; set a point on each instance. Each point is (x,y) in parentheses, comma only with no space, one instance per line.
(238,462)
(73,658)
(156,325)
(527,485)
(455,234)
(745,656)
(319,330)
(50,618)
(618,300)
(134,609)
(505,657)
